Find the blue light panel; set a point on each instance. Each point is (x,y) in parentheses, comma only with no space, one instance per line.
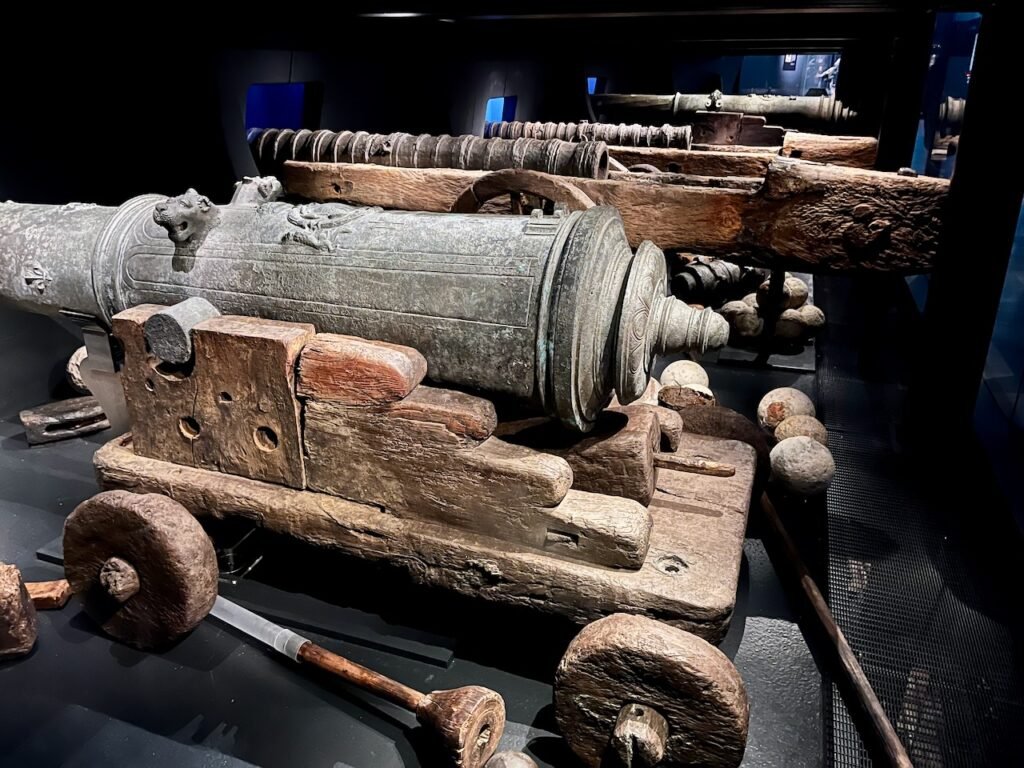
(275,105)
(495,109)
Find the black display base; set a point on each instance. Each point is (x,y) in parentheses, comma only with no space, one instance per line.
(803,361)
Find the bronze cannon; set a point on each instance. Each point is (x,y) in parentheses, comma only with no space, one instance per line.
(556,311)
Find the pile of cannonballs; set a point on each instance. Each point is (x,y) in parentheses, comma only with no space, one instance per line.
(797,320)
(801,461)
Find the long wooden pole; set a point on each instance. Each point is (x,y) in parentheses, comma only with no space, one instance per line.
(858,692)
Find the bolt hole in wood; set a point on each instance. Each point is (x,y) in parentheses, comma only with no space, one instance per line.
(225,397)
(265,439)
(188,427)
(671,565)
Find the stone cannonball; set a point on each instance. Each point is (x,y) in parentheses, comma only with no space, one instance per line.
(797,291)
(790,325)
(684,372)
(779,404)
(813,317)
(802,465)
(802,425)
(742,318)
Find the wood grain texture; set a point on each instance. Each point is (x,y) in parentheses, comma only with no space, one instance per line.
(640,735)
(835,218)
(468,720)
(429,457)
(749,183)
(63,419)
(245,407)
(809,216)
(669,423)
(688,579)
(173,557)
(359,676)
(674,217)
(852,151)
(49,595)
(615,458)
(350,370)
(408,189)
(157,395)
(233,409)
(717,421)
(716,162)
(624,659)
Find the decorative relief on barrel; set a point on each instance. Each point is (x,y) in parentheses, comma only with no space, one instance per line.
(647,280)
(317,224)
(37,278)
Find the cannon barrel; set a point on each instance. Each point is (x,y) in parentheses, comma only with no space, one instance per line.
(553,310)
(789,111)
(271,147)
(621,134)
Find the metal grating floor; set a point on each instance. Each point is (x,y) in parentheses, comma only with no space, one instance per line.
(923,609)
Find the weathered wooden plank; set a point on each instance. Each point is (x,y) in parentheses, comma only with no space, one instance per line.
(407,189)
(355,371)
(834,218)
(717,162)
(669,422)
(690,180)
(246,411)
(429,457)
(615,458)
(158,395)
(675,217)
(688,579)
(232,408)
(809,216)
(852,151)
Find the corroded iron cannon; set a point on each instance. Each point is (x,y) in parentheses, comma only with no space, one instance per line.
(556,311)
(271,147)
(790,111)
(621,135)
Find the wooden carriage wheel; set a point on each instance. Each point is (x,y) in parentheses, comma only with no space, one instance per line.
(516,182)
